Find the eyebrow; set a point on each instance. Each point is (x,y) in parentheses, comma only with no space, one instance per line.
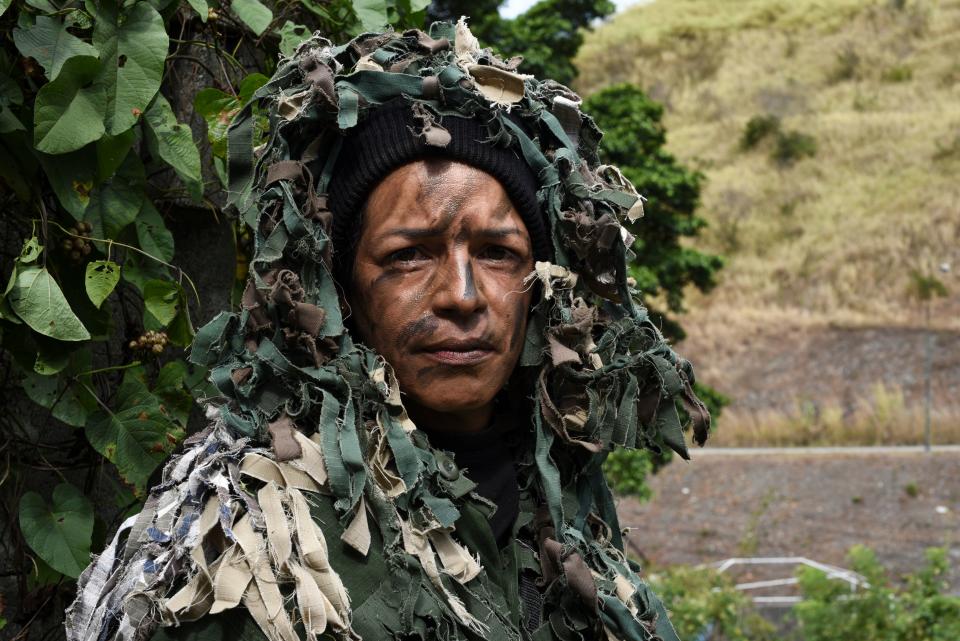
(416,233)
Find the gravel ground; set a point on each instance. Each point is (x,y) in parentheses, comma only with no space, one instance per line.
(811,505)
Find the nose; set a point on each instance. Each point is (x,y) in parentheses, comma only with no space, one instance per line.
(459,293)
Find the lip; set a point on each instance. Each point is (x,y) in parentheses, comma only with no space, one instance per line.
(459,351)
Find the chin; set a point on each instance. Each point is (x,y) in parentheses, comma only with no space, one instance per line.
(454,398)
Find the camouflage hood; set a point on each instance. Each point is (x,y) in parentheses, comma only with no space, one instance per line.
(306,411)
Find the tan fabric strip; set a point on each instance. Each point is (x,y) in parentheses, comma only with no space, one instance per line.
(456,561)
(283,474)
(230,581)
(311,601)
(270,498)
(311,460)
(313,551)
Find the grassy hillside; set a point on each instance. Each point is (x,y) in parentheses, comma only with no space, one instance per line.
(867,185)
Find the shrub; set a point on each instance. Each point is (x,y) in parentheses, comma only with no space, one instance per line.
(897,73)
(878,611)
(791,146)
(704,604)
(846,66)
(758,129)
(627,471)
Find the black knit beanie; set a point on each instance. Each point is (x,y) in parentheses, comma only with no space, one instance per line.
(390,138)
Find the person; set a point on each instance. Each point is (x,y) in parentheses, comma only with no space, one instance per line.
(438,346)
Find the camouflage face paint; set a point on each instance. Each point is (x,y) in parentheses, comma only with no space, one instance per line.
(445,255)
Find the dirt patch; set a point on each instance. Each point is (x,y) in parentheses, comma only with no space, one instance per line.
(816,506)
(770,367)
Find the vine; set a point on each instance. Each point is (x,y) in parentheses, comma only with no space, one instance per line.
(113,118)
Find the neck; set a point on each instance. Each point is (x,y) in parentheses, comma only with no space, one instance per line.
(462,422)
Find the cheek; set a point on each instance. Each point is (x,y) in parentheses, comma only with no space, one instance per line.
(521,312)
(385,308)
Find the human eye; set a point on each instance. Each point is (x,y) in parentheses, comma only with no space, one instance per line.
(498,253)
(405,256)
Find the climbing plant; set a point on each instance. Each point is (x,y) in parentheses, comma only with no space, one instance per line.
(113,118)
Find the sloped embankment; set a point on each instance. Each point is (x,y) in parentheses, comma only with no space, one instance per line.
(847,189)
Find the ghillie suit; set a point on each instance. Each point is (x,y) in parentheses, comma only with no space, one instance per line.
(312,499)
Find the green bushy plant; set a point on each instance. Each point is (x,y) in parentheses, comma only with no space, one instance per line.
(917,610)
(705,604)
(792,146)
(758,129)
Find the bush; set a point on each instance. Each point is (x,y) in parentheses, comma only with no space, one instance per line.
(758,129)
(878,611)
(897,73)
(791,146)
(704,604)
(847,66)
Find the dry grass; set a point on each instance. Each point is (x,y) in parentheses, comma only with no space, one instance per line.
(835,235)
(881,418)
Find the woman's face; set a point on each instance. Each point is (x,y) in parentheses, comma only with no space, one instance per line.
(438,288)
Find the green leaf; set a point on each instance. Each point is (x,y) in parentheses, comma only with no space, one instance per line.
(137,435)
(133,48)
(50,361)
(59,533)
(73,177)
(42,5)
(4,5)
(181,331)
(291,35)
(152,234)
(162,298)
(68,113)
(111,152)
(66,401)
(30,251)
(371,13)
(50,44)
(37,300)
(140,270)
(254,14)
(116,203)
(201,7)
(217,109)
(173,143)
(102,277)
(249,85)
(171,389)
